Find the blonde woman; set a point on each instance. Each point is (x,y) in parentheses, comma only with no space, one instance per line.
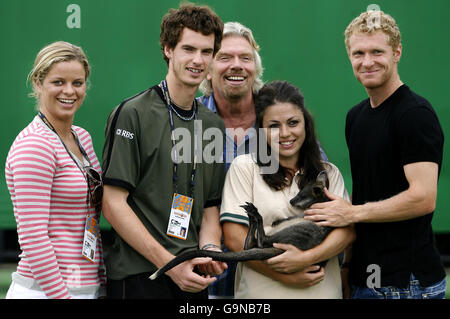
(53,176)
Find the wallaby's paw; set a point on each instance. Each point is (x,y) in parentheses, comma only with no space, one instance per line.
(251,210)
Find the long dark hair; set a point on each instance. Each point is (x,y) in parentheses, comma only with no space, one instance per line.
(309,161)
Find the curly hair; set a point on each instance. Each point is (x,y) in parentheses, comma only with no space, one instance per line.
(197,18)
(372,21)
(309,162)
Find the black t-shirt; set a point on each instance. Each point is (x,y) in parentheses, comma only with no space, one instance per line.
(404,129)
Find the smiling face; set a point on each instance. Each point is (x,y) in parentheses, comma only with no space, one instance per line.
(286,133)
(62,91)
(189,61)
(233,68)
(373,60)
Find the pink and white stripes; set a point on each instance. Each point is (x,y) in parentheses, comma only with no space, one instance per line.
(48,192)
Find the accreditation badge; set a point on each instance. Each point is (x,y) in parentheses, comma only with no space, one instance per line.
(91,233)
(180,214)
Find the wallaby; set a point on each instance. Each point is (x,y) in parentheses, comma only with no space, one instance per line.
(295,230)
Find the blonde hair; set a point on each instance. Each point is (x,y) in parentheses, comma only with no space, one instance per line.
(372,21)
(237,29)
(55,52)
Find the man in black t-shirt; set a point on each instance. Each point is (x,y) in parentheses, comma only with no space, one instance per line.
(395,144)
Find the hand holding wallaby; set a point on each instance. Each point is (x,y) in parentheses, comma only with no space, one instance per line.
(295,230)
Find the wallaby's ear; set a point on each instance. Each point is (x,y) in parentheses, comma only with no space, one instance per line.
(317,191)
(322,178)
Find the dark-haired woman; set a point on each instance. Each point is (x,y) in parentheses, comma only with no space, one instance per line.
(291,138)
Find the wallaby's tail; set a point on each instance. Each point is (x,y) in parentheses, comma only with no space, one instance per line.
(250,254)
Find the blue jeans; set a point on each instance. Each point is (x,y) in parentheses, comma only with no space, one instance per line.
(413,291)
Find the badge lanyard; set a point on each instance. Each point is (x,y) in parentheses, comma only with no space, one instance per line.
(91,226)
(83,152)
(169,104)
(181,208)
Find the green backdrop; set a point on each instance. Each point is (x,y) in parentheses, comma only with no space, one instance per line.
(301,41)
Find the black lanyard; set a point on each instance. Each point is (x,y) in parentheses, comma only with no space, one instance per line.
(83,152)
(170,109)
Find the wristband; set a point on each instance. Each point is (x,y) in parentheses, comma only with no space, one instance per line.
(209,246)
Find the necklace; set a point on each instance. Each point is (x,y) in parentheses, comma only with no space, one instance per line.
(184,118)
(170,104)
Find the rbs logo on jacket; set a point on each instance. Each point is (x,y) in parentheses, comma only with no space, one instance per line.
(125,134)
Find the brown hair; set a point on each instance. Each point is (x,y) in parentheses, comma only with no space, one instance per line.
(197,18)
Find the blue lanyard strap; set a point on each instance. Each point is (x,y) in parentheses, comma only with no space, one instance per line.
(169,104)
